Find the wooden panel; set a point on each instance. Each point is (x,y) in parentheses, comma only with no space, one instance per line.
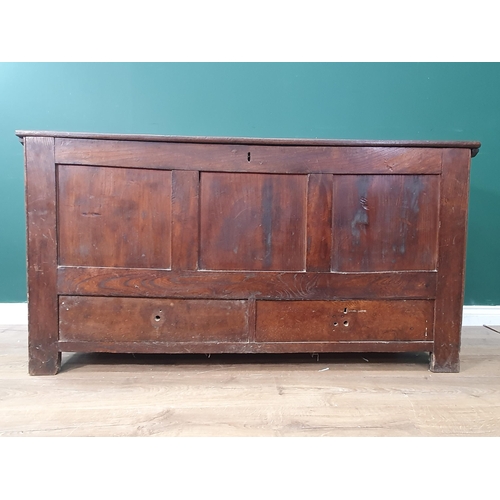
(252,140)
(242,347)
(319,222)
(114,217)
(44,357)
(185,219)
(252,221)
(385,223)
(295,321)
(235,157)
(127,319)
(451,268)
(241,285)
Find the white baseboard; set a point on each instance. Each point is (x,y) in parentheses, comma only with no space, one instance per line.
(13,314)
(17,314)
(481,315)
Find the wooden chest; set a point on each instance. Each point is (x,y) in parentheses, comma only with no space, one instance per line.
(159,244)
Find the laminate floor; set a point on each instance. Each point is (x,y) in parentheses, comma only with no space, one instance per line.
(252,395)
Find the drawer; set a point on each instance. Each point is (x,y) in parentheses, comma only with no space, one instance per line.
(353,320)
(118,319)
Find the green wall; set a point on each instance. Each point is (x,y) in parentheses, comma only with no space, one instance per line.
(330,100)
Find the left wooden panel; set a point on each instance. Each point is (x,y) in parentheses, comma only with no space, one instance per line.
(114,217)
(118,319)
(44,356)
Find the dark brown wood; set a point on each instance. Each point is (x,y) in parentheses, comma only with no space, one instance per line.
(319,222)
(110,319)
(247,158)
(185,219)
(451,266)
(240,285)
(252,140)
(313,321)
(252,221)
(242,347)
(114,217)
(212,245)
(252,312)
(44,355)
(385,223)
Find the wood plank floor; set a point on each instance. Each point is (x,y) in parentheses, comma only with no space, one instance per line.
(253,395)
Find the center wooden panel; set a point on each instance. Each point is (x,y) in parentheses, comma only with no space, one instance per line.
(114,217)
(253,221)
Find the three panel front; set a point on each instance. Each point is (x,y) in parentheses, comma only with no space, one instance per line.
(245,222)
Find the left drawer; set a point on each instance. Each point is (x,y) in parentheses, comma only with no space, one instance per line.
(119,319)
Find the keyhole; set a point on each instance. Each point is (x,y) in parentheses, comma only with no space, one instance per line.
(248,156)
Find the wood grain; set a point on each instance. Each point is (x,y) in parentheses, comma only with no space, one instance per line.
(114,217)
(94,319)
(185,219)
(241,285)
(235,157)
(44,356)
(252,222)
(451,266)
(319,222)
(252,140)
(223,228)
(385,223)
(217,347)
(360,320)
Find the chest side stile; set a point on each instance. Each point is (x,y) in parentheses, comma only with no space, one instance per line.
(44,355)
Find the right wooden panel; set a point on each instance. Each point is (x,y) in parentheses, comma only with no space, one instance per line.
(349,320)
(385,222)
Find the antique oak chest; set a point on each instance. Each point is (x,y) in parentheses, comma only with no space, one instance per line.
(161,244)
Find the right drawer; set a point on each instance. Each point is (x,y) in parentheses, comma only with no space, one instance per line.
(356,320)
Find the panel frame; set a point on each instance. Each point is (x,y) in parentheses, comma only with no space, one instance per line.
(41,226)
(453,215)
(243,347)
(242,284)
(278,159)
(185,217)
(319,231)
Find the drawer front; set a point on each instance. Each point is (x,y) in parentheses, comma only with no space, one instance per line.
(354,320)
(119,319)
